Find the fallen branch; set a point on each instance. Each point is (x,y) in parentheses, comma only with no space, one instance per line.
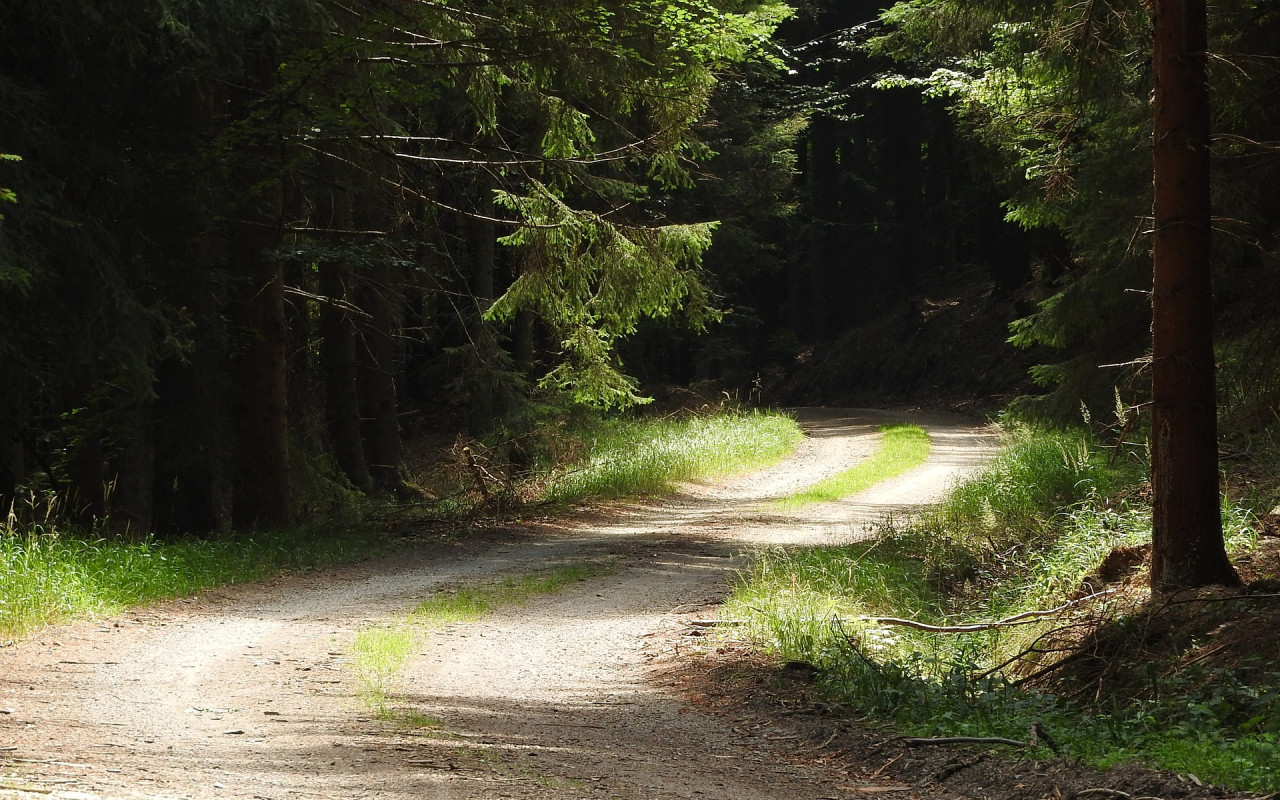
(963,740)
(1111,793)
(1017,619)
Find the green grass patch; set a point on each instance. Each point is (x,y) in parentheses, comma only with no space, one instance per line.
(632,457)
(1020,536)
(50,573)
(901,448)
(382,651)
(469,603)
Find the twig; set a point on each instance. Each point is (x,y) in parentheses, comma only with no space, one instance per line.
(476,473)
(886,765)
(963,740)
(1017,619)
(951,769)
(1040,673)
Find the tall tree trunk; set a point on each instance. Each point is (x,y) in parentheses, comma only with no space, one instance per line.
(338,358)
(1187,543)
(483,265)
(824,199)
(263,493)
(132,501)
(377,349)
(378,362)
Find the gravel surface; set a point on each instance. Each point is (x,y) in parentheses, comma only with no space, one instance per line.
(249,692)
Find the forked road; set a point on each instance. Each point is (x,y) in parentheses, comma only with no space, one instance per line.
(250,692)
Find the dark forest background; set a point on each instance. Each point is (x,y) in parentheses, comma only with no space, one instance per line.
(253,255)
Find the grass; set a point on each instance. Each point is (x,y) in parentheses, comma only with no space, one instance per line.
(1020,536)
(902,447)
(630,457)
(51,573)
(382,651)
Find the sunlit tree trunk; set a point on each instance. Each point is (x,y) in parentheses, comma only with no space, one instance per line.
(1187,543)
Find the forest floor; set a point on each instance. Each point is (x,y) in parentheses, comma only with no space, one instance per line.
(611,689)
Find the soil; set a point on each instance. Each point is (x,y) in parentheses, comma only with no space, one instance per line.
(611,689)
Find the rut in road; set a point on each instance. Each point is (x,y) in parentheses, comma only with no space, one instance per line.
(249,692)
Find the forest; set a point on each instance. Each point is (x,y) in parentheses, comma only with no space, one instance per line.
(250,250)
(286,264)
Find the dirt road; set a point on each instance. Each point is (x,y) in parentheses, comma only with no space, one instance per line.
(249,692)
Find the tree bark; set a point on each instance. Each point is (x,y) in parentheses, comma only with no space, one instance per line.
(378,360)
(824,197)
(338,356)
(263,492)
(483,410)
(1187,543)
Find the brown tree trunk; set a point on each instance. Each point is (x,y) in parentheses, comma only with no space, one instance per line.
(132,502)
(263,492)
(338,359)
(1187,544)
(824,197)
(483,411)
(378,361)
(377,347)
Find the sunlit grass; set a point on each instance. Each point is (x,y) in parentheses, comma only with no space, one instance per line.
(629,457)
(51,573)
(469,603)
(381,652)
(901,448)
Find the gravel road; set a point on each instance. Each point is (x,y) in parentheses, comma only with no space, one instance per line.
(249,692)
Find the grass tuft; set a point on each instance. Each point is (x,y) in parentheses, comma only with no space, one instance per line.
(383,650)
(902,447)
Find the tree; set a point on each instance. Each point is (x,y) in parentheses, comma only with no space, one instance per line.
(1187,544)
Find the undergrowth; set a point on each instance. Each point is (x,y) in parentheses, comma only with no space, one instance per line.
(1024,535)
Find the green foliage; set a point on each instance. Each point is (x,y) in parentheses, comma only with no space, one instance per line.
(629,457)
(901,448)
(593,281)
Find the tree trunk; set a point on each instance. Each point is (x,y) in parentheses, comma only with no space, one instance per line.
(1187,545)
(132,501)
(338,357)
(824,198)
(378,364)
(483,410)
(263,493)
